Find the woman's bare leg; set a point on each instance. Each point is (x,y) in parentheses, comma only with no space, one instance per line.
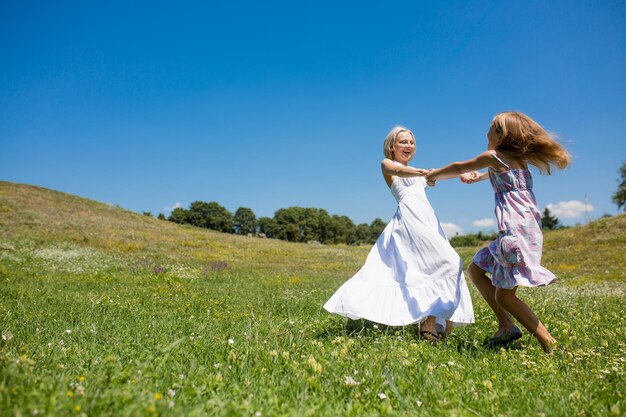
(428,329)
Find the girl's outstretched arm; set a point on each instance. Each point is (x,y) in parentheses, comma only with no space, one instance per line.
(484,160)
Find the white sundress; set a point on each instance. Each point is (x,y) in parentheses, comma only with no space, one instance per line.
(411,273)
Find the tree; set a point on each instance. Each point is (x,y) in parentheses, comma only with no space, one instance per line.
(161,216)
(619,197)
(244,221)
(310,225)
(291,224)
(362,233)
(267,226)
(343,230)
(298,224)
(211,216)
(219,218)
(548,221)
(179,215)
(324,225)
(376,228)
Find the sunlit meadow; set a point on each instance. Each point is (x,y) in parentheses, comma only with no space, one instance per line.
(107,312)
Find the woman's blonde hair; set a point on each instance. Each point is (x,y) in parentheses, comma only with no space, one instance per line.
(390,140)
(523,138)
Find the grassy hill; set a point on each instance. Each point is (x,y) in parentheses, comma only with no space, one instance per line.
(107,312)
(45,217)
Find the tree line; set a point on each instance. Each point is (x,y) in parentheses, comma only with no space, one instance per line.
(299,224)
(294,224)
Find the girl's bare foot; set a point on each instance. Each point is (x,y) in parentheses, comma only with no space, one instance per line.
(549,346)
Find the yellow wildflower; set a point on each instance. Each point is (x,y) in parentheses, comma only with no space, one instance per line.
(314,365)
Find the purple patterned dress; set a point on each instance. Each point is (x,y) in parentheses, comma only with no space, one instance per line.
(514,257)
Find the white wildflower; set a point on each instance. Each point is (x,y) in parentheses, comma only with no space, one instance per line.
(231,341)
(171,393)
(349,381)
(382,396)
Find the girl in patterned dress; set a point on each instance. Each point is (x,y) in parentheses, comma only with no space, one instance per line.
(513,259)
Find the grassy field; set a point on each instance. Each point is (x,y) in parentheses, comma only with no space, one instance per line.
(107,312)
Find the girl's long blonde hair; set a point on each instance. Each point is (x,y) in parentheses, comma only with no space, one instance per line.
(523,138)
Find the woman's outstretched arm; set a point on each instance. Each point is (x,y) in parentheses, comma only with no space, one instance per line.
(392,170)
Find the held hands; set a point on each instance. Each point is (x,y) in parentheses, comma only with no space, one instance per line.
(424,173)
(469,177)
(429,180)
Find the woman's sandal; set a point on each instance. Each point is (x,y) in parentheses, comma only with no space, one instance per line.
(430,336)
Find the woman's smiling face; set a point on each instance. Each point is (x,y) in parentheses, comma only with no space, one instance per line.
(404,147)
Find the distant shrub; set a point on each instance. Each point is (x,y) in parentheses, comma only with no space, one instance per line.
(217,266)
(619,197)
(549,221)
(159,269)
(475,239)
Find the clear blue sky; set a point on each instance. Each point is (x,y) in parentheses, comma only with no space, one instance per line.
(269,105)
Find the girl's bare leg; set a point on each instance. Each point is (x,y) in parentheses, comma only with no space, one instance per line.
(488,291)
(508,300)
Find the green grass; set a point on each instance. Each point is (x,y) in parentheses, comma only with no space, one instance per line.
(106,312)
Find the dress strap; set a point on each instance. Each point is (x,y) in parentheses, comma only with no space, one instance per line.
(493,153)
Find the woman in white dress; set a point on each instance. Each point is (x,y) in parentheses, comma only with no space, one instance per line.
(412,274)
